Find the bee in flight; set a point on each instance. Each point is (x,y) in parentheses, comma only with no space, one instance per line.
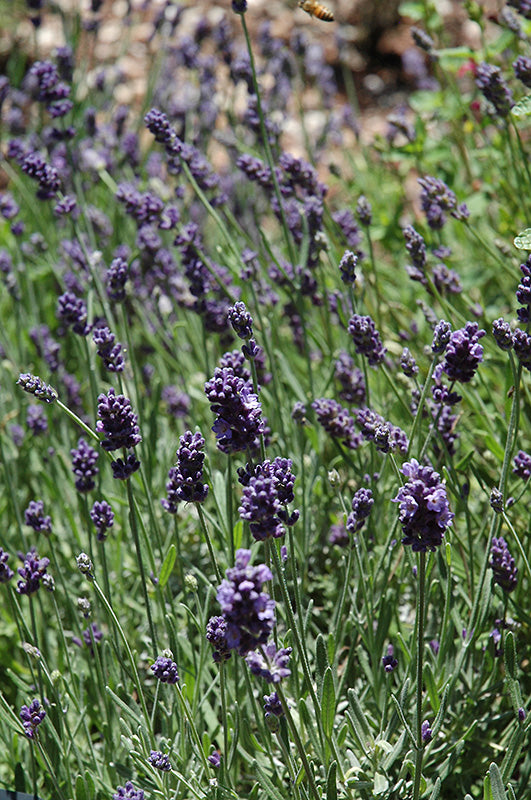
(315,9)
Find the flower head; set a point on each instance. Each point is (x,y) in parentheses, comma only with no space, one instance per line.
(249,612)
(159,761)
(165,669)
(84,459)
(267,491)
(32,572)
(32,384)
(128,792)
(32,716)
(216,630)
(269,663)
(6,573)
(463,353)
(186,479)
(503,565)
(238,421)
(491,83)
(34,517)
(117,422)
(366,339)
(389,661)
(423,507)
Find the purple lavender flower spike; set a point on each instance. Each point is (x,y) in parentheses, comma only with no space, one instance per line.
(269,663)
(32,384)
(522,465)
(185,482)
(84,459)
(116,278)
(491,83)
(165,669)
(503,565)
(32,716)
(102,516)
(36,420)
(32,573)
(240,320)
(463,353)
(117,422)
(347,267)
(238,422)
(362,502)
(265,496)
(128,792)
(337,421)
(6,573)
(426,732)
(108,350)
(216,634)
(34,517)
(389,661)
(366,339)
(249,612)
(423,507)
(436,200)
(72,311)
(501,330)
(160,761)
(214,759)
(522,347)
(353,389)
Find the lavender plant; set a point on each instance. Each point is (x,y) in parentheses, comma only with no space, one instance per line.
(304,371)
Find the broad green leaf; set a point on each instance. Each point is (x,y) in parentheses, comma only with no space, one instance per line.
(167,566)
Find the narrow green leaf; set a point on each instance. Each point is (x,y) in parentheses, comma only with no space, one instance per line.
(328,702)
(265,783)
(167,566)
(509,653)
(359,713)
(431,688)
(403,719)
(80,789)
(331,782)
(496,783)
(436,790)
(321,659)
(487,790)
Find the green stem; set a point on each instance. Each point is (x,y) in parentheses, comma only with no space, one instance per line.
(134,529)
(420,653)
(298,742)
(208,541)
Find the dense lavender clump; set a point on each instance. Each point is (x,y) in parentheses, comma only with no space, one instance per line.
(249,612)
(423,507)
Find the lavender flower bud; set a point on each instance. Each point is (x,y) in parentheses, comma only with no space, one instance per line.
(32,716)
(85,565)
(34,517)
(501,330)
(489,80)
(389,661)
(102,516)
(165,669)
(347,267)
(159,761)
(366,339)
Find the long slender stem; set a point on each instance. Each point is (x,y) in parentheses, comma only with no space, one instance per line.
(420,653)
